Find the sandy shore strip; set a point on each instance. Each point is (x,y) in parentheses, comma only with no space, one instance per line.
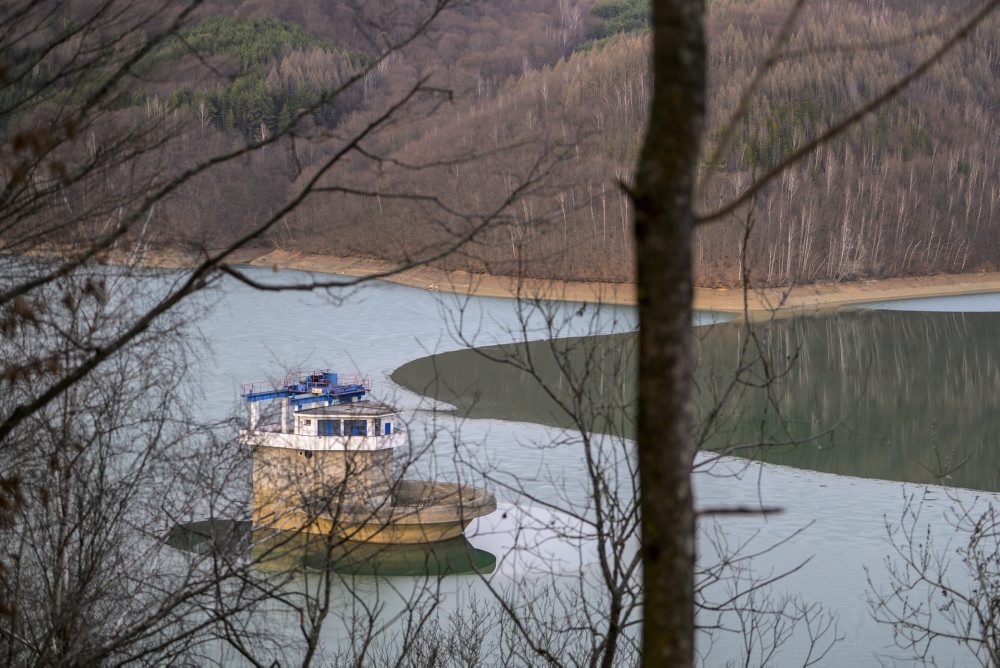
(800,298)
(819,296)
(816,296)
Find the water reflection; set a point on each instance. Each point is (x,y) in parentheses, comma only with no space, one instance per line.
(287,552)
(552,382)
(892,395)
(976,303)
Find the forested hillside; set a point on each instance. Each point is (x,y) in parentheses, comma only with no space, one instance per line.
(564,84)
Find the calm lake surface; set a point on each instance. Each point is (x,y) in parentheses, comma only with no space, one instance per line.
(894,395)
(884,395)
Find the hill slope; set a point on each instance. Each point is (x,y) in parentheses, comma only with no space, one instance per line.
(554,92)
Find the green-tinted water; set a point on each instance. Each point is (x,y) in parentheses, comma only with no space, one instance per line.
(285,552)
(880,394)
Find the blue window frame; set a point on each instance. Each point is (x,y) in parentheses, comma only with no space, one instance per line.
(328,427)
(356,427)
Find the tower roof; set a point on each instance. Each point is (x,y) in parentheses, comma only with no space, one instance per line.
(353,409)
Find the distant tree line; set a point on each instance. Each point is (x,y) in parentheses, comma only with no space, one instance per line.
(274,65)
(610,17)
(909,191)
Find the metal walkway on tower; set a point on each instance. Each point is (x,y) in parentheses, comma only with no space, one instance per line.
(307,387)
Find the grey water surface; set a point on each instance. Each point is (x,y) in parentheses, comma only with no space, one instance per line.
(878,397)
(893,395)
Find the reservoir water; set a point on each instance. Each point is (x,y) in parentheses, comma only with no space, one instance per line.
(878,403)
(893,395)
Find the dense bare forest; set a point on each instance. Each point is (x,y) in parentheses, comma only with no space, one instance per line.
(554,92)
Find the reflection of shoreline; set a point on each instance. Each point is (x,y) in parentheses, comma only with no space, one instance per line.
(286,552)
(889,395)
(761,301)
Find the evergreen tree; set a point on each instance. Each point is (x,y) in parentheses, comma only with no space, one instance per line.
(284,117)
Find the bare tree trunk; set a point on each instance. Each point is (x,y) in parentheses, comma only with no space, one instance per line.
(663,229)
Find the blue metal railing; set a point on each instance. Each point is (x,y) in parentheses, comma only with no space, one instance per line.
(306,387)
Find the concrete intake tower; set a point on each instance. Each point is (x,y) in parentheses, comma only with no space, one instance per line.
(331,471)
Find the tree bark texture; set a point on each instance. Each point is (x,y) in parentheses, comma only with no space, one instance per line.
(662,194)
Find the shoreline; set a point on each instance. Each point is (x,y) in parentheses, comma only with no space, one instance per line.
(760,302)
